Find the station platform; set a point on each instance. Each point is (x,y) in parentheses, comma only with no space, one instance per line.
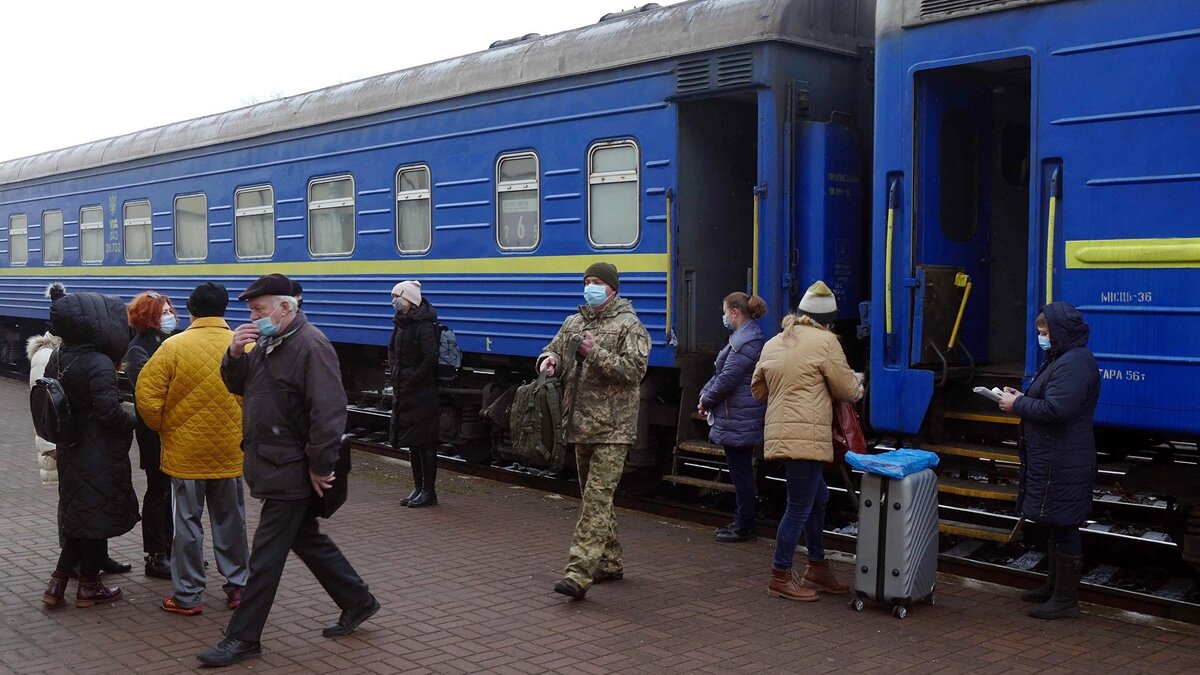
(466,588)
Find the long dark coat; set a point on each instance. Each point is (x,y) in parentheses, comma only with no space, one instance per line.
(95,488)
(141,348)
(412,360)
(737,415)
(1058,449)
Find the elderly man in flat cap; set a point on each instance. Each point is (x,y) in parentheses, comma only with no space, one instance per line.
(291,374)
(600,355)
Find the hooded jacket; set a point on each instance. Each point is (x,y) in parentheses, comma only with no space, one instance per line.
(1057,445)
(412,360)
(95,488)
(737,415)
(801,371)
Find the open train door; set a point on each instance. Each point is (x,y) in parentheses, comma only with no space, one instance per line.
(972,303)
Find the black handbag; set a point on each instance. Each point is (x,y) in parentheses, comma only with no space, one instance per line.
(333,498)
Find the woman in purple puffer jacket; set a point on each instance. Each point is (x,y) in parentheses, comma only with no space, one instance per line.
(736,416)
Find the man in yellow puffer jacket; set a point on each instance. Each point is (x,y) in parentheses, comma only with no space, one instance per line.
(180,395)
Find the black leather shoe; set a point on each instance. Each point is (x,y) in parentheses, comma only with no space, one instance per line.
(732,535)
(570,588)
(158,566)
(351,618)
(228,651)
(111,566)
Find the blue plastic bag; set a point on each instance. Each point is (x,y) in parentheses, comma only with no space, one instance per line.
(895,464)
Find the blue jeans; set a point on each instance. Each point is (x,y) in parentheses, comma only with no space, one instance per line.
(806,497)
(740,460)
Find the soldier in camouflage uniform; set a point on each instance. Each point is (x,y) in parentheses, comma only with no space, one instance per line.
(602,352)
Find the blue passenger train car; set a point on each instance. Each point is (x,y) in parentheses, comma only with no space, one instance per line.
(704,148)
(1038,150)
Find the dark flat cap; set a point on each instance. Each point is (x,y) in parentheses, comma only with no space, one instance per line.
(271,284)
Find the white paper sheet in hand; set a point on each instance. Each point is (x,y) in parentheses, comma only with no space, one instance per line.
(994,393)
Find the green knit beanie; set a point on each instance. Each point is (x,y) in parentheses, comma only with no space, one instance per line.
(606,272)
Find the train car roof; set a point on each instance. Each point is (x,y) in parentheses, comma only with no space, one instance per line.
(631,38)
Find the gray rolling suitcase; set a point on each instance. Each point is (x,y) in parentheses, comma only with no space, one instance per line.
(896,560)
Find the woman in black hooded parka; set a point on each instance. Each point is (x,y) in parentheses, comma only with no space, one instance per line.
(1058,452)
(412,360)
(96,500)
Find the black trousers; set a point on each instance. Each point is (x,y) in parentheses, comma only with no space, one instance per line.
(291,525)
(89,554)
(157,523)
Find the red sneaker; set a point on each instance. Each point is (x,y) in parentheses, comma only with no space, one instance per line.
(169,605)
(234,597)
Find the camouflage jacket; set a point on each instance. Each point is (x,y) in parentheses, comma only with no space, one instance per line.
(601,391)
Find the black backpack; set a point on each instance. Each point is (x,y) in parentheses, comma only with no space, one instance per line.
(52,418)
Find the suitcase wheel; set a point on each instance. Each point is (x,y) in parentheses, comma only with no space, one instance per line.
(857,604)
(899,612)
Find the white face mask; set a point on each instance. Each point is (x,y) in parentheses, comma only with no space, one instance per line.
(168,323)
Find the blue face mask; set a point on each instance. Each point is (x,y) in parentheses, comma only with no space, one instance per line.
(725,322)
(1044,342)
(595,294)
(168,323)
(266,327)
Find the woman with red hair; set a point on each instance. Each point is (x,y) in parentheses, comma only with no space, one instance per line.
(153,319)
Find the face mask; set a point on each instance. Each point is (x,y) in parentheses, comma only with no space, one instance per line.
(1044,342)
(168,323)
(399,304)
(725,322)
(266,327)
(594,295)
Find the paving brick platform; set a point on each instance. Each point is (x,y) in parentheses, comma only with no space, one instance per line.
(466,588)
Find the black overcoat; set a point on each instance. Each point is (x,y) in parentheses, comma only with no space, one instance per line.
(412,361)
(95,487)
(1057,445)
(141,348)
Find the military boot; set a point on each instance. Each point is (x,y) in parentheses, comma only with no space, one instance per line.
(428,495)
(1064,603)
(414,460)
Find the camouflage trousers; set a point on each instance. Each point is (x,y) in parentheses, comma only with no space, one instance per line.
(594,546)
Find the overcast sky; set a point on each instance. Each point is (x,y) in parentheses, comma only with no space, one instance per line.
(75,71)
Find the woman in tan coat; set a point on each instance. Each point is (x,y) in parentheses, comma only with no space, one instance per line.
(801,371)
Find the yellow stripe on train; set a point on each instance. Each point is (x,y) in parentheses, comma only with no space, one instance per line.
(554,264)
(1133,253)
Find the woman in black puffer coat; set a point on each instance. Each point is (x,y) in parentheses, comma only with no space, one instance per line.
(96,500)
(412,361)
(1058,451)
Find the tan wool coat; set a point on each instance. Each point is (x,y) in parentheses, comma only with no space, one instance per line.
(800,373)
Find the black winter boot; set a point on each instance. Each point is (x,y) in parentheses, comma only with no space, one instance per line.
(1064,602)
(1045,591)
(428,496)
(414,460)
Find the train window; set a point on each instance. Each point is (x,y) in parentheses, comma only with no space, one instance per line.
(414,213)
(518,223)
(18,239)
(254,222)
(91,234)
(191,227)
(613,194)
(52,236)
(138,234)
(331,216)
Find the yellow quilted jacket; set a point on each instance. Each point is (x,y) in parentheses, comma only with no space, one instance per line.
(181,396)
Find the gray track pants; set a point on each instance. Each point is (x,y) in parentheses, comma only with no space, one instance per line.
(227,517)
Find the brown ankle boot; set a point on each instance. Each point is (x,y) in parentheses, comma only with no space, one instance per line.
(92,592)
(56,588)
(819,575)
(783,584)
